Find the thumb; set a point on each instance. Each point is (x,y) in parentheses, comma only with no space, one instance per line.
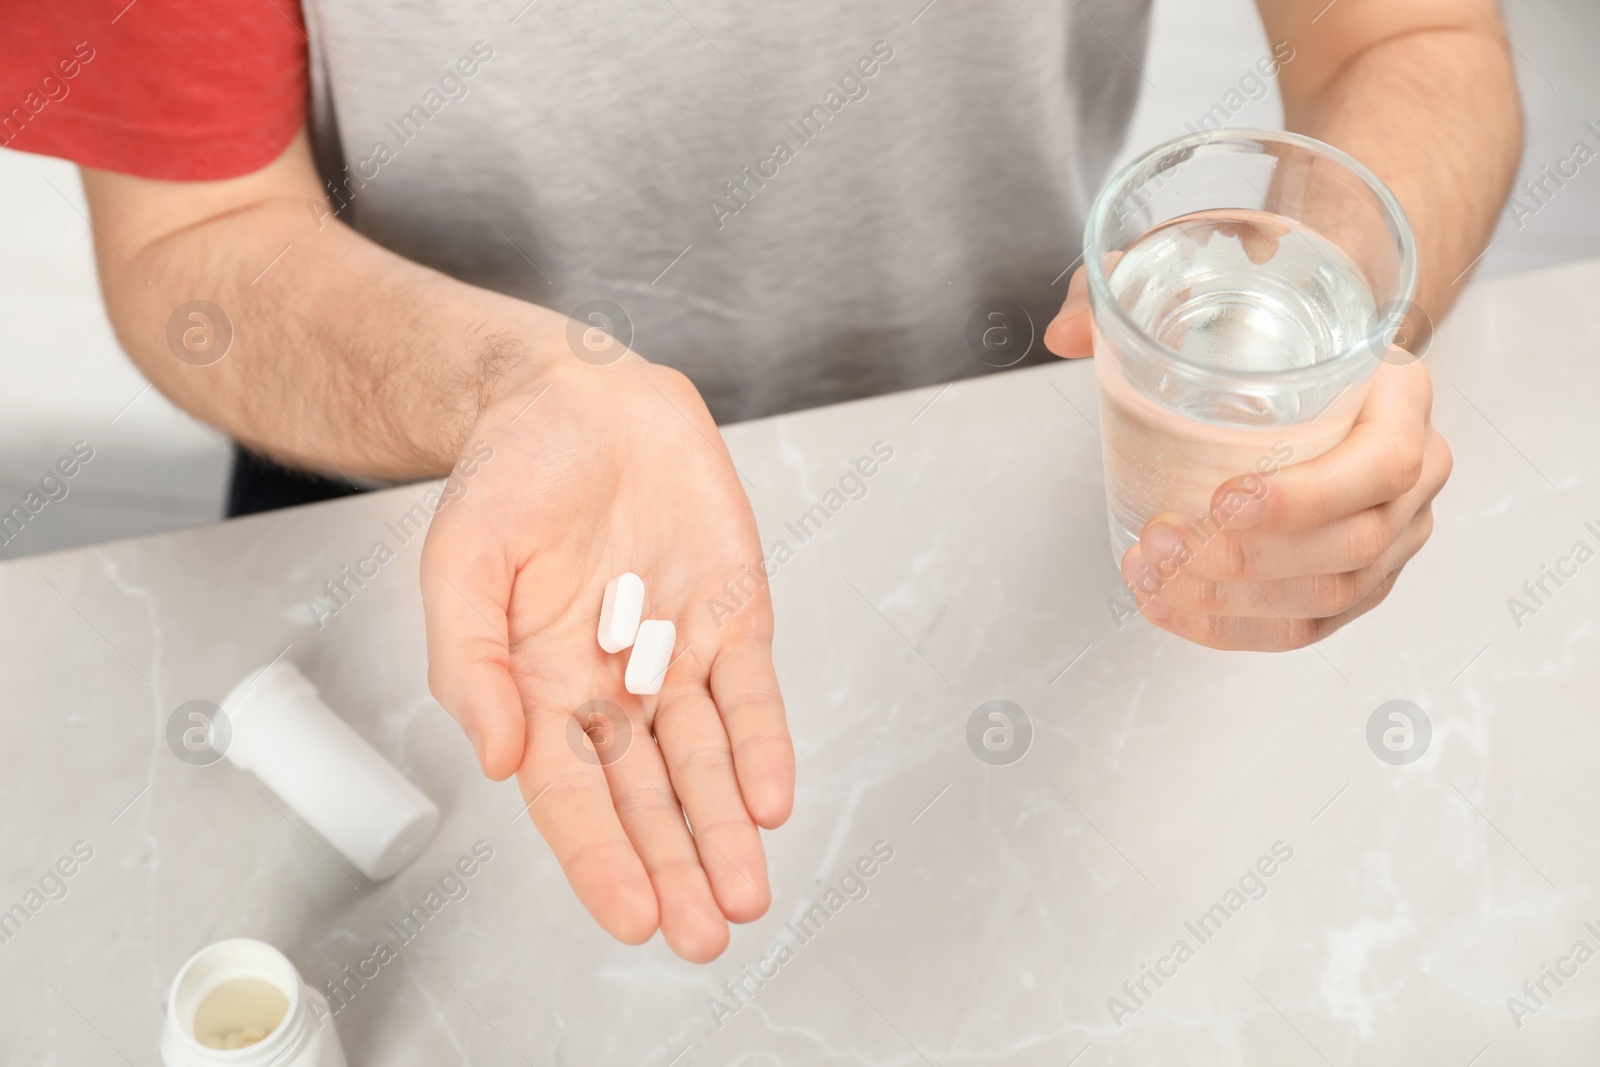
(1069,334)
(466,590)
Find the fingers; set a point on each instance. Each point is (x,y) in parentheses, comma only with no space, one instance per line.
(1347,544)
(1351,543)
(1379,460)
(1259,237)
(1069,334)
(572,807)
(698,758)
(1320,594)
(465,592)
(745,688)
(691,919)
(1277,634)
(1269,589)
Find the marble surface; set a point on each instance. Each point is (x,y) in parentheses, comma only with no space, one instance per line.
(1415,899)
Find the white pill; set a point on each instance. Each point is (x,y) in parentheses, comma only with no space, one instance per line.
(651,655)
(620,611)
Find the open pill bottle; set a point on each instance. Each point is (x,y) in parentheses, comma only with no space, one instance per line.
(242,1003)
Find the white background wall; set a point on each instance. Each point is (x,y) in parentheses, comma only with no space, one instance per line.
(1200,48)
(63,378)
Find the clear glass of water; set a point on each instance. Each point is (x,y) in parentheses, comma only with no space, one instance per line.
(1245,285)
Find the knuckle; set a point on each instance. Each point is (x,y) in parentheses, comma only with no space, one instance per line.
(751,703)
(644,800)
(658,867)
(1209,630)
(1295,634)
(1425,523)
(1367,536)
(1277,634)
(702,758)
(1316,498)
(737,828)
(673,378)
(1332,594)
(1406,470)
(1447,459)
(1203,595)
(572,783)
(436,686)
(1231,557)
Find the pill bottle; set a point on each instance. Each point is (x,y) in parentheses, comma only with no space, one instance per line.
(325,772)
(241,1003)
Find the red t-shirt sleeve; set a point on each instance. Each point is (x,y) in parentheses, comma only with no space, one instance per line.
(181,90)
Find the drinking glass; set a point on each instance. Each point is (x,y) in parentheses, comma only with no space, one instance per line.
(1245,285)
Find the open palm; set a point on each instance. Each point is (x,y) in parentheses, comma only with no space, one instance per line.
(650,803)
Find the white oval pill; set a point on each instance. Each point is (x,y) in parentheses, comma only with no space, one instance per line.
(651,655)
(620,610)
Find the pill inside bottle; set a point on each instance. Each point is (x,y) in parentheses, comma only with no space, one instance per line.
(239,1013)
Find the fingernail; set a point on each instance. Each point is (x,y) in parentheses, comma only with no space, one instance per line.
(1161,543)
(1074,304)
(1156,610)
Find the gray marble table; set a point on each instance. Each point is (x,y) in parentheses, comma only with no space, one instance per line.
(1393,911)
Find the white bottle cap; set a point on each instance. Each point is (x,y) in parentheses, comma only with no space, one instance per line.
(326,772)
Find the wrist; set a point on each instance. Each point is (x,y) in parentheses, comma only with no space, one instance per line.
(509,361)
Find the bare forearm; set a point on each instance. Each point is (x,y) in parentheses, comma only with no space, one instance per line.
(1424,93)
(344,355)
(1435,115)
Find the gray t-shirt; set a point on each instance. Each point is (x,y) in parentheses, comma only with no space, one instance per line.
(793,203)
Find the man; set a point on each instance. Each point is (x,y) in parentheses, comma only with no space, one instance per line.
(783,205)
